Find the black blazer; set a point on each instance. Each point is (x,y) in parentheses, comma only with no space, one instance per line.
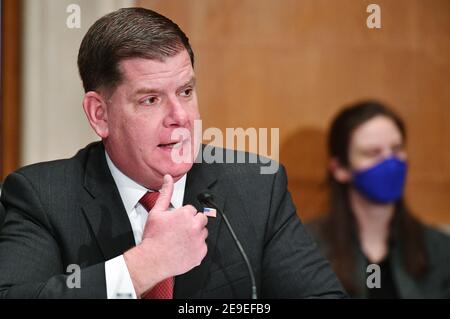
(436,282)
(70,212)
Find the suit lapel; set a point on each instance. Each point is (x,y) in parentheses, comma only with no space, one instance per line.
(104,209)
(200,178)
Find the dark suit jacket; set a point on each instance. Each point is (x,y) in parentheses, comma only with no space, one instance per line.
(70,212)
(2,214)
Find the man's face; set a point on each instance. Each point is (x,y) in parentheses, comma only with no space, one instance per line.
(153,99)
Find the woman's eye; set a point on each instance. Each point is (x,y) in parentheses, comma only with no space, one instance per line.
(372,153)
(397,149)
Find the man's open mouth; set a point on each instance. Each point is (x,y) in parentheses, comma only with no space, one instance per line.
(171,145)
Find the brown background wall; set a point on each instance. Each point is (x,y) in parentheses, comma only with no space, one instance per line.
(293,63)
(10,86)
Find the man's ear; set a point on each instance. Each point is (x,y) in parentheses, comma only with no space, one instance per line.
(95,108)
(340,173)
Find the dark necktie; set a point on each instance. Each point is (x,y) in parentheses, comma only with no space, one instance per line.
(163,289)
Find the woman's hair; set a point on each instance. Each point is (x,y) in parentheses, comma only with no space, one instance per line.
(339,227)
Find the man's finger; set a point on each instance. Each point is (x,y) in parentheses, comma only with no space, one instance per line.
(202,218)
(165,194)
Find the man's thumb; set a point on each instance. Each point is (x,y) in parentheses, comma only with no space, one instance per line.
(165,194)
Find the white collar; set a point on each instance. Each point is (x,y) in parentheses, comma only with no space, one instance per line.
(131,192)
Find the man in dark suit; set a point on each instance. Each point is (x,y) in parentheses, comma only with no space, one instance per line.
(95,225)
(2,213)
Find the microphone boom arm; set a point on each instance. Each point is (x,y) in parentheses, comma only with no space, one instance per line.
(206,198)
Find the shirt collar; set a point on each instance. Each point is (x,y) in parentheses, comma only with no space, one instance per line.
(131,192)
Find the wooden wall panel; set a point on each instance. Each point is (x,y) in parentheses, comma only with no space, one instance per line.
(292,64)
(10,95)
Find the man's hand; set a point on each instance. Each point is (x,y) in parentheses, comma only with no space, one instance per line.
(172,244)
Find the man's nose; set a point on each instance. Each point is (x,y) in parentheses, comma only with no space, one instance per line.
(177,115)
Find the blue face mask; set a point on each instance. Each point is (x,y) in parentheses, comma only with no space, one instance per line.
(382,183)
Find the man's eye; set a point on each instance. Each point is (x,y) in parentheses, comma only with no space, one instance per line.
(187,92)
(150,100)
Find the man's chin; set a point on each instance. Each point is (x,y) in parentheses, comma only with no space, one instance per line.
(178,170)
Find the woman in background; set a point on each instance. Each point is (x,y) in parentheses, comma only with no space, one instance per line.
(368,221)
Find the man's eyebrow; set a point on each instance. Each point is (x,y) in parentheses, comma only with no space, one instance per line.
(191,82)
(146,90)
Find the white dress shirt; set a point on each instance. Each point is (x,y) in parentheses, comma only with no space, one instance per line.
(118,280)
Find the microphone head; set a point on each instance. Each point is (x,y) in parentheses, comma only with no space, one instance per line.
(205,197)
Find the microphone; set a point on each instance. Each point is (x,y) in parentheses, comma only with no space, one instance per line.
(207,199)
